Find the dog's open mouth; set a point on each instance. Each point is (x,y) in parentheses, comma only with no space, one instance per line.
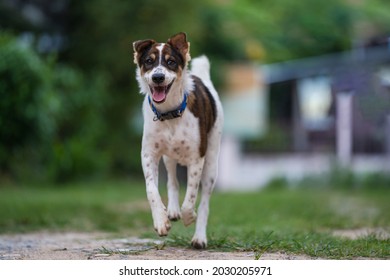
(159,93)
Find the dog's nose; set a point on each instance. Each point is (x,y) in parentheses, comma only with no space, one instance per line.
(158,78)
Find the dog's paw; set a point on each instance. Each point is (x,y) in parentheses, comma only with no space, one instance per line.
(162,227)
(188,216)
(174,216)
(199,243)
(174,212)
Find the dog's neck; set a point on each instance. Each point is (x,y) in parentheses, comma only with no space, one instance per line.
(181,87)
(173,114)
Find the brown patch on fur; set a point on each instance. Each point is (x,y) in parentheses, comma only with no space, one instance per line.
(146,55)
(179,43)
(202,104)
(140,47)
(173,59)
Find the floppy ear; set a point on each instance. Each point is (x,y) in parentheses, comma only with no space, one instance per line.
(140,46)
(179,42)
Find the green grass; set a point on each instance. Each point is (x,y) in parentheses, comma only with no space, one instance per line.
(296,221)
(107,206)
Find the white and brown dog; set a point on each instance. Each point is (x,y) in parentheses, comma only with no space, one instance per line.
(183,121)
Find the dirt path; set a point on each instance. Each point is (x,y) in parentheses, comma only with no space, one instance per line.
(97,246)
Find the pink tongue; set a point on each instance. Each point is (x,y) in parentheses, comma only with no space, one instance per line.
(159,95)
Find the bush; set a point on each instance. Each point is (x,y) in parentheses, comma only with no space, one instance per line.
(20,81)
(74,124)
(52,117)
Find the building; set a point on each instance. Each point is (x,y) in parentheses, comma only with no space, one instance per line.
(320,112)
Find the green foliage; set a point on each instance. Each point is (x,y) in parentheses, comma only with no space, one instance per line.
(52,117)
(75,123)
(373,15)
(291,29)
(20,81)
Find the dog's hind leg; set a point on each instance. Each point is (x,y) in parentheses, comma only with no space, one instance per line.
(194,173)
(209,176)
(173,189)
(199,240)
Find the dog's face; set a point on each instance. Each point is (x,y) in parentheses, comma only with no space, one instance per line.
(161,65)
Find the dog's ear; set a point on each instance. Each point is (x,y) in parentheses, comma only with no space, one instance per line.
(140,46)
(179,42)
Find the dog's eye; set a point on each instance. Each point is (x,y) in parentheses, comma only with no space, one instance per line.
(171,62)
(149,61)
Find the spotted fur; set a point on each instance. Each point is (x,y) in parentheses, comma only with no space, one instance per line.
(192,140)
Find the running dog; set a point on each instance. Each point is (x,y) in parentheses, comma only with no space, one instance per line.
(183,121)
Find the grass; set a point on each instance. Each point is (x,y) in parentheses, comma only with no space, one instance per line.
(107,206)
(299,221)
(291,220)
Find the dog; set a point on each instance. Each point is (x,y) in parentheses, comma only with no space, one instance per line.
(183,121)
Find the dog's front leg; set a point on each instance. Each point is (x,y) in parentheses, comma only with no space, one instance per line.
(194,173)
(173,189)
(160,217)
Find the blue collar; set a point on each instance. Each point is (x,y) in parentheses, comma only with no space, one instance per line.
(178,112)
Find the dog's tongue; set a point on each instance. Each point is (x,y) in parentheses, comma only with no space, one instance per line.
(159,94)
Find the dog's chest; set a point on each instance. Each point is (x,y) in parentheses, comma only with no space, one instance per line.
(179,139)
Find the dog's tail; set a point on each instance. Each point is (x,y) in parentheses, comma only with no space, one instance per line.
(200,66)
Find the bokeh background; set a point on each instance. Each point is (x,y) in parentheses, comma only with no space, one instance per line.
(70,107)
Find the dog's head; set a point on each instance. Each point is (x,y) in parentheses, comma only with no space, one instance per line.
(161,65)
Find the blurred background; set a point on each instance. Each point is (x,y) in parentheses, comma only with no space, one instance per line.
(305,85)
